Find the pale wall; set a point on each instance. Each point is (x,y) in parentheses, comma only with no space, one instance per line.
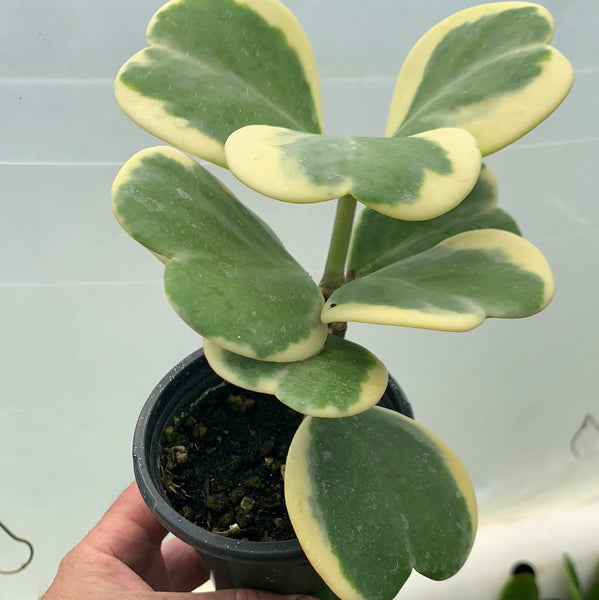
(86,330)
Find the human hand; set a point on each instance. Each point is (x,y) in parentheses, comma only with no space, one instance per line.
(123,556)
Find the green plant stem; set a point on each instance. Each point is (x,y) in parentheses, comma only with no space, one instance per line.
(334,271)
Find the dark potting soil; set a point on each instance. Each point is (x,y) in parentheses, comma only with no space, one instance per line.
(222,464)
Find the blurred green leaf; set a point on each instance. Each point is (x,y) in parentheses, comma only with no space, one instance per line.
(594,592)
(572,581)
(521,585)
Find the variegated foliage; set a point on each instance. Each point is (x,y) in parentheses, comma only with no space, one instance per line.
(234,82)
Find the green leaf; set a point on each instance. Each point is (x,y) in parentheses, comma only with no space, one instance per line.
(411,178)
(379,241)
(520,586)
(227,275)
(453,286)
(487,69)
(372,497)
(572,581)
(342,379)
(213,67)
(594,592)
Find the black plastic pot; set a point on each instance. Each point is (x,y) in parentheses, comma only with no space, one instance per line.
(274,566)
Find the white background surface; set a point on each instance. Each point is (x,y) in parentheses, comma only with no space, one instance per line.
(86,332)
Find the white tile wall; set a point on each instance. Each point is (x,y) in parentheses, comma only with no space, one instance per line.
(86,331)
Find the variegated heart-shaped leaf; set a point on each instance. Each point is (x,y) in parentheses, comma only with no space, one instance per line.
(379,241)
(487,69)
(413,178)
(342,379)
(372,497)
(213,67)
(453,286)
(227,275)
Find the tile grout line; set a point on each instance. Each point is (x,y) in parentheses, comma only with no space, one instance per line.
(513,148)
(62,284)
(66,163)
(551,144)
(34,80)
(44,80)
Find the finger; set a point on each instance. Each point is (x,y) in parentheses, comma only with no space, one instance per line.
(130,533)
(227,595)
(245,594)
(130,507)
(183,566)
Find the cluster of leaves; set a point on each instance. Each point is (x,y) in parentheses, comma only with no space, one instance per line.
(236,84)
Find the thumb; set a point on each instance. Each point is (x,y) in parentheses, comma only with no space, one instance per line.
(249,594)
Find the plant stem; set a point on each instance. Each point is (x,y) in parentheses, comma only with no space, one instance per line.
(334,271)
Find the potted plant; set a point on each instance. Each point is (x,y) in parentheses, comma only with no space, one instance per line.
(371,494)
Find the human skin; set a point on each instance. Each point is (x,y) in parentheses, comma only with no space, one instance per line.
(124,557)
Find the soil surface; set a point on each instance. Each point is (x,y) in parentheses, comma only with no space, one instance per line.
(222,464)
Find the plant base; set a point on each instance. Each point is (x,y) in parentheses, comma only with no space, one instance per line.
(278,566)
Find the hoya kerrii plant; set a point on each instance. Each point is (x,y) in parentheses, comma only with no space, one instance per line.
(371,494)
